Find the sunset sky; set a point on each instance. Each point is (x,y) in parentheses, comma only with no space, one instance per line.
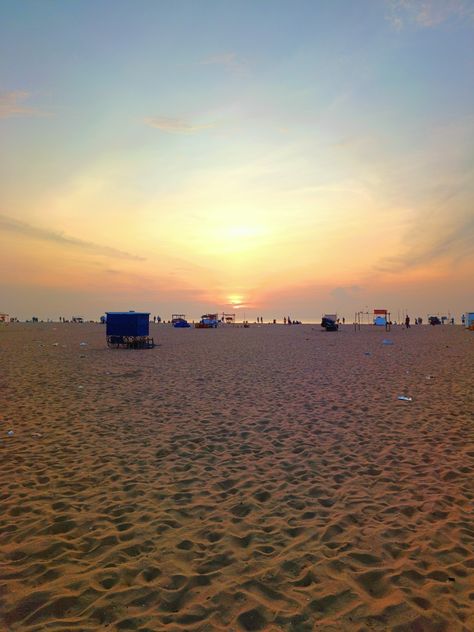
(276,157)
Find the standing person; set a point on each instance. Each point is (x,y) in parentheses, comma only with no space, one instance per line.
(407,322)
(284,320)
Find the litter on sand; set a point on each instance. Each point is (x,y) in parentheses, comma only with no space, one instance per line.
(405,398)
(10,433)
(387,342)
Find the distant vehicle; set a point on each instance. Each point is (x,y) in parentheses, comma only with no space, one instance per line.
(77,319)
(180,323)
(177,317)
(329,322)
(434,320)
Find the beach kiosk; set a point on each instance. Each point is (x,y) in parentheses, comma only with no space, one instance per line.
(469,320)
(128,330)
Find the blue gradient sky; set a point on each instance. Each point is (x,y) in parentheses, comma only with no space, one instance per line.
(278,156)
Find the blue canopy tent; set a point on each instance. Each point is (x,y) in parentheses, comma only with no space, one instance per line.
(129,330)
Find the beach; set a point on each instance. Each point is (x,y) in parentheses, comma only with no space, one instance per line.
(237,479)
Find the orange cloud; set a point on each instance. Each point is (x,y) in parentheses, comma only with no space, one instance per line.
(11,104)
(174,126)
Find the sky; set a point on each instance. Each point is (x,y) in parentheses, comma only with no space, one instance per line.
(258,157)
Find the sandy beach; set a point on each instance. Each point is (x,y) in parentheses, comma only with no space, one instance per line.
(237,480)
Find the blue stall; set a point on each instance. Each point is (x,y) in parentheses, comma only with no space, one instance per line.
(128,329)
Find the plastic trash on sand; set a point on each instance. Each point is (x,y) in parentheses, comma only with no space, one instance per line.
(386,341)
(10,433)
(367,353)
(405,398)
(83,344)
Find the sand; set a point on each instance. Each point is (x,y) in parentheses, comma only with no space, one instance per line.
(237,479)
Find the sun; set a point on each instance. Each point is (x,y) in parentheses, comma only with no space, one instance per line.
(242,231)
(236,300)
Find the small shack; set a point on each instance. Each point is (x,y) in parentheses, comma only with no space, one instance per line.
(469,320)
(129,330)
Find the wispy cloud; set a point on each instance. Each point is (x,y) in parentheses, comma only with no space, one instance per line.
(450,240)
(428,13)
(345,293)
(231,61)
(12,104)
(175,126)
(42,234)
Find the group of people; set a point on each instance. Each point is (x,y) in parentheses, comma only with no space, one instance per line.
(287,321)
(418,321)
